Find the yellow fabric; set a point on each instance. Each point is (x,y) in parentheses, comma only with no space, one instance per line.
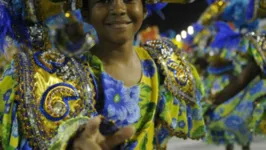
(161,114)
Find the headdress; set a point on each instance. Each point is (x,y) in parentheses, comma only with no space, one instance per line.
(242,14)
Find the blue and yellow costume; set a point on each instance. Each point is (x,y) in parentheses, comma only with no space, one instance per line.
(46,96)
(235,120)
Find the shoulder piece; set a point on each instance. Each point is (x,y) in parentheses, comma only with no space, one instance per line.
(258,49)
(51,92)
(178,76)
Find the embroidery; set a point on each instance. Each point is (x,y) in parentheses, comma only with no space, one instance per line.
(54,103)
(178,76)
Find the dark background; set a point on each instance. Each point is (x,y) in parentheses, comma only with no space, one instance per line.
(178,16)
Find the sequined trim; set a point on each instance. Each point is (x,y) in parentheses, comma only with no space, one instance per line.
(88,88)
(57,109)
(179,79)
(259,49)
(179,134)
(33,125)
(32,128)
(49,60)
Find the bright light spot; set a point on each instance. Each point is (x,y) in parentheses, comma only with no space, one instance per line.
(184,34)
(67,15)
(178,38)
(220,3)
(190,30)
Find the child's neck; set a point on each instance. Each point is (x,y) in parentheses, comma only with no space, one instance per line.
(111,54)
(121,62)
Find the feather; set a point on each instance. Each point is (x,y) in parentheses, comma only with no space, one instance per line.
(210,1)
(225,37)
(5,26)
(156,8)
(250,12)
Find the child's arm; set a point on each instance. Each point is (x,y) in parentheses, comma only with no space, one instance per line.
(248,74)
(255,67)
(89,137)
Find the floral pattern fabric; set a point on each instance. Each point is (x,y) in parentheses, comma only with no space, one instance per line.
(149,106)
(235,120)
(121,103)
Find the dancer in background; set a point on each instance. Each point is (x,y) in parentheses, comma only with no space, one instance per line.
(237,89)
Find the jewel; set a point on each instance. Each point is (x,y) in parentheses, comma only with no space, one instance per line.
(59,108)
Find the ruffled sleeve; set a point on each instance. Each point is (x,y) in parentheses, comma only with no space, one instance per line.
(66,131)
(178,118)
(257,49)
(9,135)
(179,111)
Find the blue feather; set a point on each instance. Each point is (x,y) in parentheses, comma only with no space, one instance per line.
(156,8)
(210,1)
(225,37)
(238,12)
(5,26)
(197,27)
(250,12)
(235,12)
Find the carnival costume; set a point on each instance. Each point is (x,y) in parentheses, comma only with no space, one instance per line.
(235,120)
(51,90)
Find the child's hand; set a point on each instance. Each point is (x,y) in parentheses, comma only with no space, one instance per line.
(92,139)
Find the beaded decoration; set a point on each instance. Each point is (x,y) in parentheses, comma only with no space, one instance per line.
(50,60)
(40,117)
(178,76)
(54,103)
(258,49)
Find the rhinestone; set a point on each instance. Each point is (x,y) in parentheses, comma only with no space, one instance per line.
(59,108)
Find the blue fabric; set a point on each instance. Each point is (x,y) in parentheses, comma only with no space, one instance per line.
(24,145)
(225,37)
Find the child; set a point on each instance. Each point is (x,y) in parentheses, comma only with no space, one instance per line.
(50,99)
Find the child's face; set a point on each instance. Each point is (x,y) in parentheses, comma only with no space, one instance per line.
(116,21)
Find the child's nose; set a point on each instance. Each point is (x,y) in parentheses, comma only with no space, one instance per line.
(118,8)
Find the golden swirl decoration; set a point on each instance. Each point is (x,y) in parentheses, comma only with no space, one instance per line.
(54,104)
(178,76)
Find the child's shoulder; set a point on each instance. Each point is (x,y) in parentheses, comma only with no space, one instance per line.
(178,75)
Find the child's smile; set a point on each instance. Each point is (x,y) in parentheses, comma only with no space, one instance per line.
(118,24)
(116,21)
